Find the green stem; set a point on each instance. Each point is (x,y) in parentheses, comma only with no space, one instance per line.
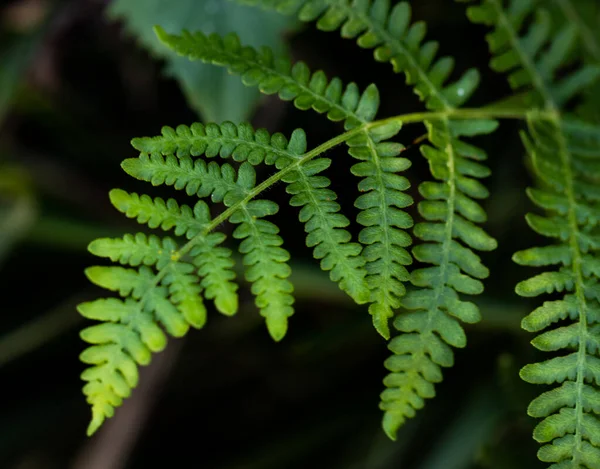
(579,292)
(448,231)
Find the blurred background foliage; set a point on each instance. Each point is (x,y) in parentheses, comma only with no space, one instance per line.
(78,80)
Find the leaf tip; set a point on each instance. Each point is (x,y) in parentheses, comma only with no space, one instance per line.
(160,33)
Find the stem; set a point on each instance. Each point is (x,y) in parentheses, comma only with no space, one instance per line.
(579,292)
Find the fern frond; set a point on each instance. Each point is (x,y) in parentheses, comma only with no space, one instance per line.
(571,426)
(532,58)
(261,243)
(589,41)
(240,142)
(386,256)
(389,32)
(131,331)
(331,242)
(564,164)
(422,348)
(276,75)
(381,204)
(325,227)
(167,288)
(450,233)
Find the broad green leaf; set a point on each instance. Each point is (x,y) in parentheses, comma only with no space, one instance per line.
(214,94)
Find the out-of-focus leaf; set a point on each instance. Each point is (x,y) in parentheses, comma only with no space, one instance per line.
(14,59)
(462,440)
(213,93)
(17,208)
(40,330)
(583,15)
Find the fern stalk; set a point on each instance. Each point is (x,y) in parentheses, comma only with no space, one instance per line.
(578,457)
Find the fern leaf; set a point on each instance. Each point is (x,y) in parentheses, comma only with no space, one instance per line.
(532,59)
(325,227)
(157,213)
(522,46)
(386,257)
(167,289)
(277,76)
(434,308)
(131,329)
(389,32)
(417,356)
(240,142)
(570,427)
(215,264)
(266,264)
(384,220)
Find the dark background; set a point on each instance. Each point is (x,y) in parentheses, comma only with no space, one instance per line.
(76,89)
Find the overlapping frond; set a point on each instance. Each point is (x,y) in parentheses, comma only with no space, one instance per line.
(589,39)
(435,304)
(166,286)
(571,425)
(388,30)
(565,156)
(527,48)
(381,207)
(277,75)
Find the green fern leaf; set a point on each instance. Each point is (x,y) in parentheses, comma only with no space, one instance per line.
(450,234)
(523,47)
(532,60)
(388,30)
(277,76)
(131,331)
(382,215)
(166,290)
(450,210)
(570,425)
